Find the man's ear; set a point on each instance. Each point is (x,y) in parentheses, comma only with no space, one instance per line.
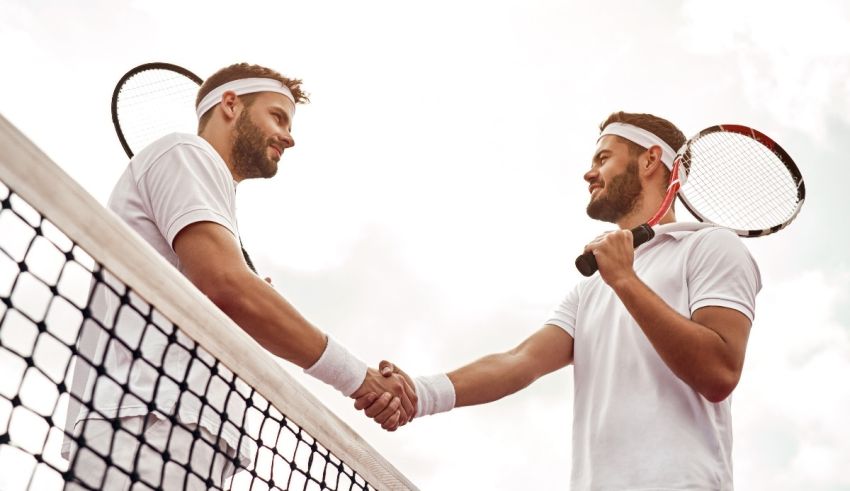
(652,162)
(230,105)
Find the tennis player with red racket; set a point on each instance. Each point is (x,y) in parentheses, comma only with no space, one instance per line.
(658,338)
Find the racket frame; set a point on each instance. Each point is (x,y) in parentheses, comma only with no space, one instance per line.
(771,145)
(127,76)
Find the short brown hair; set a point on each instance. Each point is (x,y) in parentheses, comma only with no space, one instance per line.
(660,127)
(244,70)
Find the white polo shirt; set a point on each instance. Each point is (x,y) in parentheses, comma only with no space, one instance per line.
(178,180)
(636,425)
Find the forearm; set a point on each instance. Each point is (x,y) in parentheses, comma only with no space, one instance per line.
(265,315)
(490,378)
(699,356)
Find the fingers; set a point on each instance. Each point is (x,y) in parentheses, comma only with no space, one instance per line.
(388,396)
(614,253)
(386,368)
(407,392)
(384,409)
(381,404)
(392,423)
(391,411)
(365,401)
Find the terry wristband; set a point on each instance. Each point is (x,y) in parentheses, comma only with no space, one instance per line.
(435,394)
(338,368)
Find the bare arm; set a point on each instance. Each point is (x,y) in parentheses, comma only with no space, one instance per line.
(494,376)
(705,351)
(498,375)
(212,260)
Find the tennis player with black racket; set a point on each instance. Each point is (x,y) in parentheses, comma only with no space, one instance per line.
(657,338)
(178,193)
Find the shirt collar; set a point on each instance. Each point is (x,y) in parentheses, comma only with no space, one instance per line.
(680,230)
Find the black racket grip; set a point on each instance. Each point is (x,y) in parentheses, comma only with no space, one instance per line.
(586,263)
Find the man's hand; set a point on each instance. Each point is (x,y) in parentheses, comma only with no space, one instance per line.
(388,397)
(615,255)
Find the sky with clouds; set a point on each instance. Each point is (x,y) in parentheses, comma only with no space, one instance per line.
(433,204)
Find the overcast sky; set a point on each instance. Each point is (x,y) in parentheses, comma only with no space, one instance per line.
(433,204)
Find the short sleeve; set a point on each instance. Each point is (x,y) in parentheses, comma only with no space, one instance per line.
(186,185)
(564,315)
(722,272)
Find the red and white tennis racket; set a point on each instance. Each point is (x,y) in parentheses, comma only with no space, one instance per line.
(737,177)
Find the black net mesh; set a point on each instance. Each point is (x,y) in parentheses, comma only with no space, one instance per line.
(155,410)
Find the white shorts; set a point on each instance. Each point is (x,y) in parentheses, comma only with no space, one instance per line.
(192,463)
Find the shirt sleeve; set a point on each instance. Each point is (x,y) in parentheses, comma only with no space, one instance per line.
(564,315)
(185,185)
(722,272)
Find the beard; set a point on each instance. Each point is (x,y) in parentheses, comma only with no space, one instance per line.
(617,198)
(250,150)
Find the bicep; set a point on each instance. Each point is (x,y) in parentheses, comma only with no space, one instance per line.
(547,350)
(732,326)
(208,254)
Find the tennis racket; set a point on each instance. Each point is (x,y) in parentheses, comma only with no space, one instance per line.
(151,101)
(737,177)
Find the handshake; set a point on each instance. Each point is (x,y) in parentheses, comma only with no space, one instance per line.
(388,396)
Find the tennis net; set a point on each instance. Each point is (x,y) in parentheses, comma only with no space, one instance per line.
(78,287)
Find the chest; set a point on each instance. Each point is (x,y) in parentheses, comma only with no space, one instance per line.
(602,318)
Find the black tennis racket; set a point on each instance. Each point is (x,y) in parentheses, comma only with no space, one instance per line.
(151,101)
(737,177)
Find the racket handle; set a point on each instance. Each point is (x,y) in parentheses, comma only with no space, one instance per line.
(586,263)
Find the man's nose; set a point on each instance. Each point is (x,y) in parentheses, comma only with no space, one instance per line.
(288,141)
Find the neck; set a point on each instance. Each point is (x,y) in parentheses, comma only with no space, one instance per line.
(646,209)
(223,145)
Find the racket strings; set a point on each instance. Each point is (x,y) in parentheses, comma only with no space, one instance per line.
(154,103)
(739,183)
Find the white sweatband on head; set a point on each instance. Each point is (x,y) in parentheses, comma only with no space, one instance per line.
(241,87)
(643,138)
(339,368)
(435,394)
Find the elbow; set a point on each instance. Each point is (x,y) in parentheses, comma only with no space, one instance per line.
(226,291)
(721,387)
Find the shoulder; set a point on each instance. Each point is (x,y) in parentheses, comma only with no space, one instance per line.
(178,150)
(176,141)
(717,239)
(718,250)
(689,235)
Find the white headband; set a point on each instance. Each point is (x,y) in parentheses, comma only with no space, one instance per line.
(643,138)
(240,87)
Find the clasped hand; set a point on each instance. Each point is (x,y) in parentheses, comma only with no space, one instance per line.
(387,396)
(615,255)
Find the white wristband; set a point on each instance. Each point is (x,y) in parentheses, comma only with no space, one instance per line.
(435,394)
(339,368)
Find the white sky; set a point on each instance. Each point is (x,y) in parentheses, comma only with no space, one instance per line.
(433,205)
